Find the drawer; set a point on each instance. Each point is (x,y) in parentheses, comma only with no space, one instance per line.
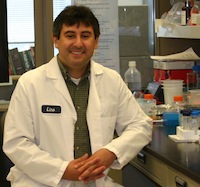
(151,167)
(176,179)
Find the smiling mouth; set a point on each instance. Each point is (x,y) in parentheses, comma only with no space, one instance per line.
(77,52)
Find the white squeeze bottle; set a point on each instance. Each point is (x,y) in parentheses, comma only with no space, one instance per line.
(132,78)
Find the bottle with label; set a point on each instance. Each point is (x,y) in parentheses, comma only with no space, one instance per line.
(193,78)
(194,120)
(186,119)
(132,78)
(149,105)
(178,105)
(194,12)
(185,13)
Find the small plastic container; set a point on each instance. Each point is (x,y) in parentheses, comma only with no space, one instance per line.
(186,119)
(194,120)
(149,105)
(178,105)
(170,122)
(193,78)
(194,97)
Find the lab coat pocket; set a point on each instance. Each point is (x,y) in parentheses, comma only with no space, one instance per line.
(56,135)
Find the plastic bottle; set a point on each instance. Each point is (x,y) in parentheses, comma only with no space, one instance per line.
(149,105)
(194,120)
(178,105)
(186,119)
(194,12)
(193,78)
(198,120)
(185,13)
(132,78)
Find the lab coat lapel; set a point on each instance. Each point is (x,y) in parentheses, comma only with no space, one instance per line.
(55,75)
(94,114)
(94,110)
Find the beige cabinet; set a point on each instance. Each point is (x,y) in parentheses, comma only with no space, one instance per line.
(176,179)
(161,173)
(151,167)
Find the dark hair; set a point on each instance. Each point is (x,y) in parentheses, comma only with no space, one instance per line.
(73,15)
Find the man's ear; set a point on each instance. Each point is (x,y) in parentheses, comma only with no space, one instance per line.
(97,42)
(55,40)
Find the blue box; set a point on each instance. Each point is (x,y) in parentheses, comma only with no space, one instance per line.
(170,122)
(171,118)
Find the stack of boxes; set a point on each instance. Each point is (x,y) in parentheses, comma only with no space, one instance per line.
(174,66)
(172,70)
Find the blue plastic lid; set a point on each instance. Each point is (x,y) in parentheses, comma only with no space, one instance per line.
(186,112)
(196,68)
(195,113)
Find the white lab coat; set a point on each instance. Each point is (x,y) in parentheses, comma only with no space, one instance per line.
(41,144)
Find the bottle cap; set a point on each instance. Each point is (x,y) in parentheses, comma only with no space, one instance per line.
(186,112)
(148,96)
(194,112)
(196,68)
(132,63)
(178,98)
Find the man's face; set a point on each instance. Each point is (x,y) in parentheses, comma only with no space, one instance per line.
(76,45)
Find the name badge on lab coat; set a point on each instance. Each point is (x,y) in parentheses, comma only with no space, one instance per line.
(51,109)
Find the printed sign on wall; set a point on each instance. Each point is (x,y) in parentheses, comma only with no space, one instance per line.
(106,12)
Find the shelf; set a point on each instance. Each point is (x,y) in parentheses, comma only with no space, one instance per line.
(15,77)
(3,107)
(172,31)
(11,79)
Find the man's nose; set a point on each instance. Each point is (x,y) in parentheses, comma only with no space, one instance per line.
(78,42)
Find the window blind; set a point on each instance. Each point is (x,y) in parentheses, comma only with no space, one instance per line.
(59,5)
(20,15)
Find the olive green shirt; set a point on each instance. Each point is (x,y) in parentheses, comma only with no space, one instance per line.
(79,92)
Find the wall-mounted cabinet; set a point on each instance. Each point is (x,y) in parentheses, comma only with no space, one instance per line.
(174,39)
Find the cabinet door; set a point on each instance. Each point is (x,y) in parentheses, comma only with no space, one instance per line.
(151,167)
(176,179)
(133,177)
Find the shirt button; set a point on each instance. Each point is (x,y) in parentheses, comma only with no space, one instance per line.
(77,148)
(78,107)
(77,128)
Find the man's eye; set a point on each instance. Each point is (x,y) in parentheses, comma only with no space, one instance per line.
(70,36)
(85,36)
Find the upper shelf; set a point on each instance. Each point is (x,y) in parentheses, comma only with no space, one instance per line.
(190,32)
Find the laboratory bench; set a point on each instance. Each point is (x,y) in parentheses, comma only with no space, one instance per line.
(164,163)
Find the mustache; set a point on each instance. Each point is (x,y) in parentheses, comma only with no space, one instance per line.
(79,49)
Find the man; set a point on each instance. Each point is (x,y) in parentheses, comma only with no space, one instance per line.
(63,115)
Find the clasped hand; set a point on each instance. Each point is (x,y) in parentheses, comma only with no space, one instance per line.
(88,168)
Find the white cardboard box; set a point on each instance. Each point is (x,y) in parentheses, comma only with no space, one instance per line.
(171,65)
(187,134)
